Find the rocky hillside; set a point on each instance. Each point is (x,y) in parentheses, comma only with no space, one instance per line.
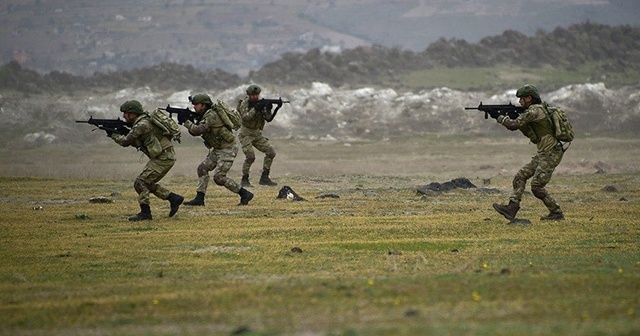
(321,112)
(356,94)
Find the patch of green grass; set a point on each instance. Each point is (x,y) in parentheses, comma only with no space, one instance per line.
(378,260)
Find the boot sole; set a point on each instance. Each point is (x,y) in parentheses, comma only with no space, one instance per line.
(246,202)
(507,216)
(175,206)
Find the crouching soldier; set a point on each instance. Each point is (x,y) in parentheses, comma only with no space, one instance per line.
(221,143)
(151,140)
(254,118)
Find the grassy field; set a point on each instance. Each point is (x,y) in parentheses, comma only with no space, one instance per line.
(378,260)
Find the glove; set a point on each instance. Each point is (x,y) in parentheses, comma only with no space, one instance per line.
(494,114)
(182,118)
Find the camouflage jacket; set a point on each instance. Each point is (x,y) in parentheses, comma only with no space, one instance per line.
(535,124)
(251,118)
(145,137)
(212,130)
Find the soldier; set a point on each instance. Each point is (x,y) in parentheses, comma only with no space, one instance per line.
(254,118)
(148,138)
(536,125)
(221,143)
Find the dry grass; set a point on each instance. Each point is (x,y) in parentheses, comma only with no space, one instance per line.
(379,260)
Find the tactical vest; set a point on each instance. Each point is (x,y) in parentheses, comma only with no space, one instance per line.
(539,128)
(218,136)
(156,142)
(255,123)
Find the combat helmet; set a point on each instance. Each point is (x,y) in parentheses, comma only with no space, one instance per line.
(253,89)
(201,98)
(131,106)
(528,90)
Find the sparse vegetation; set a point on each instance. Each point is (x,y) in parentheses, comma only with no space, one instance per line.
(379,260)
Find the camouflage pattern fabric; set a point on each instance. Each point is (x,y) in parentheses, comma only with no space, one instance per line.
(250,136)
(250,139)
(148,139)
(220,161)
(536,125)
(212,130)
(222,151)
(539,170)
(153,172)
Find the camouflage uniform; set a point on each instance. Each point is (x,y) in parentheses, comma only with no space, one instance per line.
(222,151)
(250,136)
(535,124)
(159,149)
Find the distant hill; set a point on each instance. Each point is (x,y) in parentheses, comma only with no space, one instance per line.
(596,49)
(602,52)
(84,37)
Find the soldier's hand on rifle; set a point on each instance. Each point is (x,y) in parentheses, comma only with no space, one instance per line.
(494,114)
(182,118)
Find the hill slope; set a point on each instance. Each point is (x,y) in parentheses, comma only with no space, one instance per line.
(82,37)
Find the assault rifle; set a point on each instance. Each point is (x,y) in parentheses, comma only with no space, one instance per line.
(509,110)
(182,113)
(117,126)
(265,103)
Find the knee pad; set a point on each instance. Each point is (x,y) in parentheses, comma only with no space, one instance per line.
(519,181)
(250,158)
(202,170)
(219,179)
(139,185)
(538,191)
(271,153)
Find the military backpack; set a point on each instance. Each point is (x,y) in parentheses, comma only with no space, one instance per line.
(168,126)
(562,128)
(231,117)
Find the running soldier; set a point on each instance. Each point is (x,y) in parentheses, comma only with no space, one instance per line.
(151,140)
(535,123)
(222,146)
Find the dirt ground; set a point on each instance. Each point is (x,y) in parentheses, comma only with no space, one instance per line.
(430,157)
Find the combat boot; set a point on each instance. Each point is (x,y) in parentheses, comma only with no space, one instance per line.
(145,214)
(198,200)
(265,180)
(508,211)
(553,215)
(245,196)
(174,201)
(245,181)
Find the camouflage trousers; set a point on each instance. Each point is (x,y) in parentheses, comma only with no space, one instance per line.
(220,161)
(254,138)
(539,170)
(147,182)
